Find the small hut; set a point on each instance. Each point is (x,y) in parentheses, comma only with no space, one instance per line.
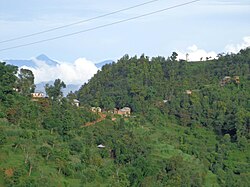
(37,95)
(96,109)
(101,146)
(225,80)
(189,92)
(76,102)
(126,111)
(237,79)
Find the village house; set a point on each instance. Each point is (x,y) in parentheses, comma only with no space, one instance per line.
(237,79)
(228,79)
(76,102)
(96,109)
(126,111)
(225,80)
(165,101)
(16,89)
(37,95)
(189,92)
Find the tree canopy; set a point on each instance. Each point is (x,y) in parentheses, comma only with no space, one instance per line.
(55,91)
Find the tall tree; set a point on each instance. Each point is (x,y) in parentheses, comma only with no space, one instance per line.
(7,79)
(55,91)
(25,82)
(174,56)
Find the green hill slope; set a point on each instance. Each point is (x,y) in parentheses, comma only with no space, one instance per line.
(189,126)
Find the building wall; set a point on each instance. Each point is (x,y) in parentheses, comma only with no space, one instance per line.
(37,95)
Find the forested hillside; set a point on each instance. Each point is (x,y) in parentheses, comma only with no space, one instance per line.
(212,94)
(190,126)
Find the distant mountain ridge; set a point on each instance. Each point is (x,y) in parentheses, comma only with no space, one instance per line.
(20,63)
(40,87)
(34,63)
(46,59)
(100,64)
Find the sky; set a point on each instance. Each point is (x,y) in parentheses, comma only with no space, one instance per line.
(204,28)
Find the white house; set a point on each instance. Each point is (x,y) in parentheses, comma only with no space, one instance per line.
(37,95)
(76,102)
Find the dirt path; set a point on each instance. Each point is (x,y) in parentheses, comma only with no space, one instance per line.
(103,116)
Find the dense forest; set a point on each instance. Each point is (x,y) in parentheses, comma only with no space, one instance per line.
(189,126)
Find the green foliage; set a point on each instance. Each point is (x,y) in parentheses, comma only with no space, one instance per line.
(25,83)
(171,139)
(75,146)
(54,91)
(7,80)
(134,82)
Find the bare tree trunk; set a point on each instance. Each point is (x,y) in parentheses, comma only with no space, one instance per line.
(59,170)
(16,146)
(30,170)
(117,174)
(47,157)
(26,158)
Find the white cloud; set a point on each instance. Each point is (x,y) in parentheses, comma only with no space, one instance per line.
(235,48)
(77,73)
(196,54)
